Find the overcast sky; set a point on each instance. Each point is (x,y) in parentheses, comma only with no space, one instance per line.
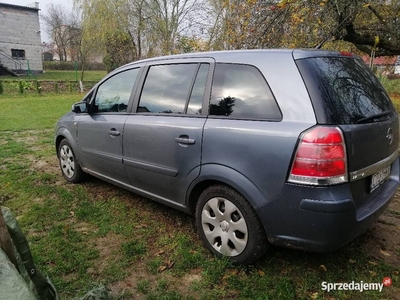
(68,4)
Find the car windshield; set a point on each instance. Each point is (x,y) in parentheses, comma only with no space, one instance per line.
(344,90)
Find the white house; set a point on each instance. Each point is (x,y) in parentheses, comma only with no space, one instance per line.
(20,44)
(397,65)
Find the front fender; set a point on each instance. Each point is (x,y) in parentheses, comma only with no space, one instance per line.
(64,133)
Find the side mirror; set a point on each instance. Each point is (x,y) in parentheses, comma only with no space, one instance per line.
(79,107)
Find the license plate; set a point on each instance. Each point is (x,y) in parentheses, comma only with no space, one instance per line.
(379,177)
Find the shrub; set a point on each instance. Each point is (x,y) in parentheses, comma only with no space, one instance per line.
(21,87)
(38,87)
(25,85)
(70,66)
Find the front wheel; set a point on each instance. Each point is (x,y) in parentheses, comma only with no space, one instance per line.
(69,165)
(229,226)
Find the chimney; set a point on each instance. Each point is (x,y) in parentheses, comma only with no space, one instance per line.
(34,5)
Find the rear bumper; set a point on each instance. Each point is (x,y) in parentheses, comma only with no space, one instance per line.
(323,219)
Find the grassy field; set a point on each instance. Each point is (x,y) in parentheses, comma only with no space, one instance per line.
(392,86)
(61,76)
(23,112)
(90,234)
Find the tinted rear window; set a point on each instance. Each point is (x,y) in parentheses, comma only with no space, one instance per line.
(241,92)
(344,90)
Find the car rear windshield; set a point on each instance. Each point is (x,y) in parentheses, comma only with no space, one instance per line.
(344,90)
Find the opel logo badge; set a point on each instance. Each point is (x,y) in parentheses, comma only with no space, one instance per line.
(389,136)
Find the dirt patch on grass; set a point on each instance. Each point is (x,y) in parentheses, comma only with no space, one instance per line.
(129,284)
(138,273)
(30,137)
(38,164)
(382,240)
(83,227)
(108,247)
(29,140)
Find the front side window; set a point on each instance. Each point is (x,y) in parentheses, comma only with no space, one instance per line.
(113,94)
(166,88)
(240,91)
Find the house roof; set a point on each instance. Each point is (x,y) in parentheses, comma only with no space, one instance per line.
(381,60)
(20,7)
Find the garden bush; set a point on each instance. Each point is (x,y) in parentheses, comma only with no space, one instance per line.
(70,65)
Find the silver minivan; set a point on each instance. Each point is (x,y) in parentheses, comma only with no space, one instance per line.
(295,148)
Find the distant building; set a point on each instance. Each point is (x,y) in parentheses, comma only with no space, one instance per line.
(67,40)
(386,65)
(397,65)
(20,45)
(47,51)
(66,45)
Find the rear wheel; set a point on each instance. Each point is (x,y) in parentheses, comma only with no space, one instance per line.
(69,165)
(229,226)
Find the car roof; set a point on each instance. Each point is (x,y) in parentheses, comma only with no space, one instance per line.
(238,56)
(250,56)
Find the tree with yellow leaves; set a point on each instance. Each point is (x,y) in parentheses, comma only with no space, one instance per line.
(368,26)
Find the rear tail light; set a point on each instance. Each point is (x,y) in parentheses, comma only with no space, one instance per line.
(320,157)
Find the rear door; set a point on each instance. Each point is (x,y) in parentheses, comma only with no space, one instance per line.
(244,133)
(100,132)
(345,92)
(163,140)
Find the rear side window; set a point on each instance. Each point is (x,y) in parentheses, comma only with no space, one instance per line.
(240,91)
(166,88)
(344,90)
(199,87)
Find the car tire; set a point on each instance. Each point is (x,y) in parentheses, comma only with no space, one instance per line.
(69,165)
(229,226)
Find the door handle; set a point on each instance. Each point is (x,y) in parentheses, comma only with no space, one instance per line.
(113,132)
(184,139)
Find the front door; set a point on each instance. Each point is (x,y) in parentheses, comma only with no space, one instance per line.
(100,131)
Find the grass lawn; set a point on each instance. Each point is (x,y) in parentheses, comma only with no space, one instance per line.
(392,86)
(61,76)
(94,233)
(396,100)
(22,112)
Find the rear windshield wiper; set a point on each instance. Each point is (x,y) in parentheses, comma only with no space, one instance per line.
(373,117)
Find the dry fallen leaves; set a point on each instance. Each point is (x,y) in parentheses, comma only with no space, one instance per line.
(314,296)
(323,268)
(352,261)
(141,226)
(232,272)
(168,265)
(161,252)
(385,253)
